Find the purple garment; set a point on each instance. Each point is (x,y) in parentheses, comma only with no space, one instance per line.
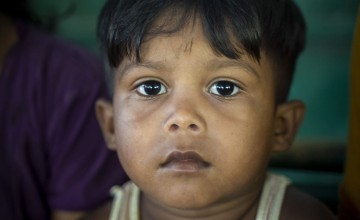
(52,154)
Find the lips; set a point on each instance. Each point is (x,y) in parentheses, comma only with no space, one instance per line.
(185,162)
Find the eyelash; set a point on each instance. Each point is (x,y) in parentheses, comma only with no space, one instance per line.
(228,85)
(155,85)
(158,88)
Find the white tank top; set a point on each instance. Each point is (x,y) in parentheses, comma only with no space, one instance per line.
(125,205)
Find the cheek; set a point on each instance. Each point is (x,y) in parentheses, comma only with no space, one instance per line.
(246,149)
(243,162)
(136,139)
(126,136)
(246,124)
(129,118)
(245,135)
(132,154)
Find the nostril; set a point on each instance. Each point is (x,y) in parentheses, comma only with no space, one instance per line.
(174,127)
(194,127)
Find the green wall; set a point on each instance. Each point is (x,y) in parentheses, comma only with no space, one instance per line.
(322,72)
(77,19)
(323,69)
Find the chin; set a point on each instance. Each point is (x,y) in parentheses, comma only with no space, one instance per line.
(188,202)
(187,205)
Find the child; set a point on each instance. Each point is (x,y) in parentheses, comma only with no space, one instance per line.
(199,104)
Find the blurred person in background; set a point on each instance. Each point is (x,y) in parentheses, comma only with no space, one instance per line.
(53,160)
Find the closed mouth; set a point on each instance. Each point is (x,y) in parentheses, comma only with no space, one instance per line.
(189,161)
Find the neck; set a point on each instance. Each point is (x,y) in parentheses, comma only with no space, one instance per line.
(241,207)
(8,37)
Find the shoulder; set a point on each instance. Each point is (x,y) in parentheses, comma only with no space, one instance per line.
(298,205)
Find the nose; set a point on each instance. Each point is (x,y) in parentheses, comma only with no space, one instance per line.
(184,117)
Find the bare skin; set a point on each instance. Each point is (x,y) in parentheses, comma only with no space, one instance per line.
(298,205)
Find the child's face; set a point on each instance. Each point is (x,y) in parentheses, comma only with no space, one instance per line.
(192,128)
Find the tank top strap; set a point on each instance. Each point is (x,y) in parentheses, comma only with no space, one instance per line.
(272,197)
(125,205)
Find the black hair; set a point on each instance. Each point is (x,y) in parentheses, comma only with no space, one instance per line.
(232,27)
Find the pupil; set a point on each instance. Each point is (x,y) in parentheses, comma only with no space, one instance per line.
(152,87)
(225,88)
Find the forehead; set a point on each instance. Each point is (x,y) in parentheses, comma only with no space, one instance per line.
(189,43)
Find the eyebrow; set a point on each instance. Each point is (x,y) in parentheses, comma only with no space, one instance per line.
(239,63)
(213,64)
(157,65)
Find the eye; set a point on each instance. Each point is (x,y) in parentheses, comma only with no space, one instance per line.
(224,88)
(151,88)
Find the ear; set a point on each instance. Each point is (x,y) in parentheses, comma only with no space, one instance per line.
(288,119)
(104,114)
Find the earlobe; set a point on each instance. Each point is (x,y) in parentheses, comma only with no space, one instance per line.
(104,114)
(288,119)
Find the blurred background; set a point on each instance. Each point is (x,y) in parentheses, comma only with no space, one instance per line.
(315,163)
